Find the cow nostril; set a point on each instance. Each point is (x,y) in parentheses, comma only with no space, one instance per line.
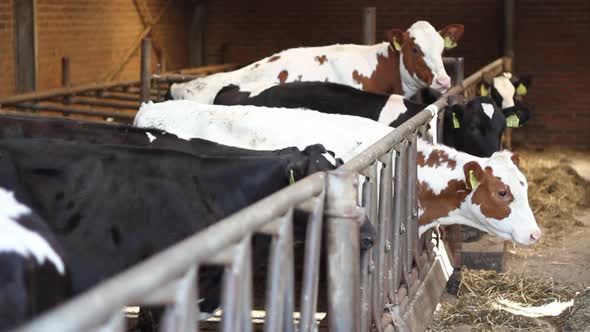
(444,81)
(536,235)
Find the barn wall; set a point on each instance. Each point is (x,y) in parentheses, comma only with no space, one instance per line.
(244,31)
(7,61)
(94,34)
(551,42)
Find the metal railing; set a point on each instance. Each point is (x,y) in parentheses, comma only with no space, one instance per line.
(399,280)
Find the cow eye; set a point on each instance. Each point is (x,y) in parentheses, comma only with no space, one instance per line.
(502,194)
(415,50)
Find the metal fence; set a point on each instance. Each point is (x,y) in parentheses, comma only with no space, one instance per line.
(398,283)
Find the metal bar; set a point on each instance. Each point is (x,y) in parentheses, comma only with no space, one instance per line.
(412,194)
(369,25)
(366,158)
(65,77)
(288,293)
(370,203)
(277,279)
(183,315)
(102,103)
(145,75)
(246,304)
(343,251)
(209,69)
(385,196)
(116,323)
(233,293)
(398,215)
(311,265)
(149,275)
(115,95)
(66,110)
(509,28)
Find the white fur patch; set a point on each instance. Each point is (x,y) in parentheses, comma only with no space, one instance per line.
(150,137)
(488,109)
(393,108)
(18,239)
(263,128)
(506,89)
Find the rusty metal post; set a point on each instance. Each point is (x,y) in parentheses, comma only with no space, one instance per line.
(367,263)
(369,25)
(65,77)
(343,251)
(398,214)
(146,50)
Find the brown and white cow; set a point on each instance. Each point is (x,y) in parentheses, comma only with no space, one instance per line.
(408,61)
(454,187)
(489,194)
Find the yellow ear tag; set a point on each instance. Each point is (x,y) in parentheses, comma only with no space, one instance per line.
(521,90)
(512,121)
(449,43)
(396,45)
(482,90)
(472,180)
(291,177)
(456,123)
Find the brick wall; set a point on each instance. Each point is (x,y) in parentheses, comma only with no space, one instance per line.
(95,35)
(244,31)
(551,42)
(7,75)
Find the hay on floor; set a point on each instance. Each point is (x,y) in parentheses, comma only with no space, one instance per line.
(556,193)
(480,294)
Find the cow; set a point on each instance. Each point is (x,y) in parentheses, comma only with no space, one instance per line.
(111,206)
(505,90)
(407,61)
(33,274)
(14,126)
(487,193)
(475,128)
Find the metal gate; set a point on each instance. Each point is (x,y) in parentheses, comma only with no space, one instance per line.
(395,284)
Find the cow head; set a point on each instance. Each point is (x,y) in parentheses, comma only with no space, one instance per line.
(505,89)
(498,200)
(420,49)
(475,128)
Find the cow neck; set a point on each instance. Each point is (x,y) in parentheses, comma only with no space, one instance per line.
(441,185)
(385,78)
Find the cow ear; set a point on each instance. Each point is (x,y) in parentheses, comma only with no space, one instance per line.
(451,35)
(473,175)
(515,159)
(396,38)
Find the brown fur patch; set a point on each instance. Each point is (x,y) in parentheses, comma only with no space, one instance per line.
(321,59)
(486,196)
(439,206)
(283,76)
(414,61)
(385,78)
(274,58)
(436,159)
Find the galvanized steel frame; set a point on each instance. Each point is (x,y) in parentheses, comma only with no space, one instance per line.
(384,290)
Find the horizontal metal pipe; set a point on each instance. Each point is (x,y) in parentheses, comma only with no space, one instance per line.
(72,110)
(132,284)
(103,103)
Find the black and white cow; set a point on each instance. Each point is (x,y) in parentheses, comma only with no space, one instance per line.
(477,126)
(33,275)
(506,90)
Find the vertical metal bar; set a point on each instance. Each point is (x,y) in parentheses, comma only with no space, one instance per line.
(311,266)
(369,24)
(230,300)
(381,266)
(509,28)
(246,303)
(65,77)
(412,178)
(277,279)
(343,251)
(286,234)
(182,316)
(366,261)
(411,210)
(146,50)
(398,214)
